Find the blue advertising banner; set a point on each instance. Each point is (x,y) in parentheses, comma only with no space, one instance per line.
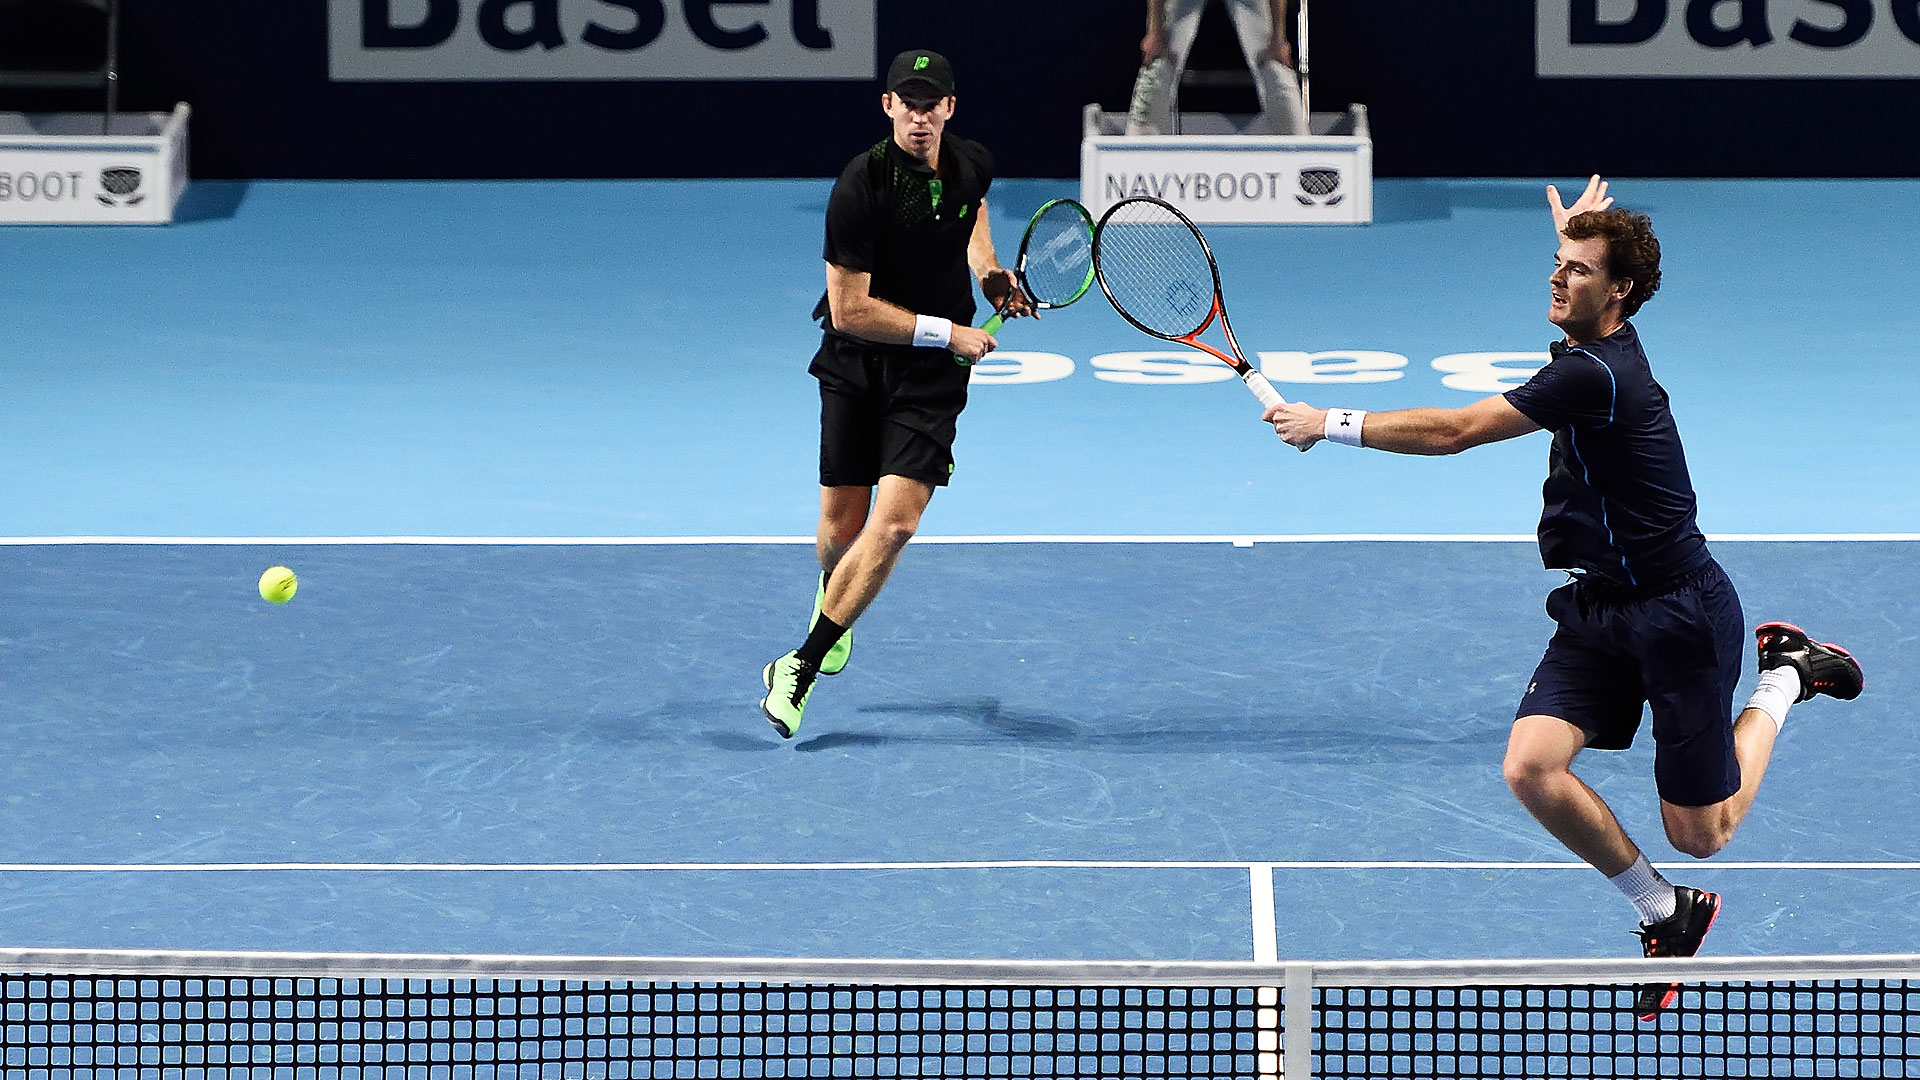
(692,88)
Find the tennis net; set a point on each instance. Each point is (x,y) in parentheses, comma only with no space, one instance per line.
(68,1014)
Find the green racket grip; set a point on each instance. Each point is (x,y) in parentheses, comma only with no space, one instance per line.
(991,326)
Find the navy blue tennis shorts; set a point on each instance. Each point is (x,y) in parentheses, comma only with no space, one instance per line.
(1679,651)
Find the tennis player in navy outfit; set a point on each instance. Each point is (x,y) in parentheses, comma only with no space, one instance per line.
(1649,618)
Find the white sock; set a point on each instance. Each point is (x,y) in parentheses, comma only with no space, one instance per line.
(1652,895)
(1778,689)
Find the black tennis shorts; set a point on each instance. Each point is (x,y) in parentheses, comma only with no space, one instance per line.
(886,412)
(1679,651)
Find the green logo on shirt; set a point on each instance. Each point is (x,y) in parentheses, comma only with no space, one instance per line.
(963,211)
(933,190)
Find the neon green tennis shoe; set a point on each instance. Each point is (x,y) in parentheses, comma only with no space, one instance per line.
(835,661)
(789,682)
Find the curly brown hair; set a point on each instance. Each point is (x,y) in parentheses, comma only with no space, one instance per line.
(1632,250)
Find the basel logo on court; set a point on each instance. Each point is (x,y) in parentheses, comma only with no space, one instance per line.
(120,186)
(1320,186)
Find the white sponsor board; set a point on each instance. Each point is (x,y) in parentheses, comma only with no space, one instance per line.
(1727,39)
(490,40)
(1231,179)
(58,170)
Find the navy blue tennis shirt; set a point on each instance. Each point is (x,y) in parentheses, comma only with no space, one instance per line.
(1620,509)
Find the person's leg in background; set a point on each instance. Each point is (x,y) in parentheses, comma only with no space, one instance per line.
(1277,84)
(1151,112)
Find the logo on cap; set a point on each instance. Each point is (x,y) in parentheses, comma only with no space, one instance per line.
(921,65)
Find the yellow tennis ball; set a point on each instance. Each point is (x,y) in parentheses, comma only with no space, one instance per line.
(277,584)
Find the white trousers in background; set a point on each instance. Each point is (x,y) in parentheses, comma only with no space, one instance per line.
(1153,90)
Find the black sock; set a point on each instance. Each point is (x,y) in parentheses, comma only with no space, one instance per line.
(821,638)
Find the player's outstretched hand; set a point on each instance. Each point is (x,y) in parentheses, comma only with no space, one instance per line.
(1594,198)
(998,285)
(1297,423)
(970,343)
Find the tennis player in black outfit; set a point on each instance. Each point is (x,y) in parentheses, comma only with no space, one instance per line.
(1649,617)
(907,237)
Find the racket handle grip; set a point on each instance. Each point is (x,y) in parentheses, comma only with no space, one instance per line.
(1262,389)
(992,325)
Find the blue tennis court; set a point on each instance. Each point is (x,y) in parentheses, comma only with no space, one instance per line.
(1152,686)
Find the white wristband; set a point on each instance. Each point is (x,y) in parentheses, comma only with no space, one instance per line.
(1343,426)
(931,330)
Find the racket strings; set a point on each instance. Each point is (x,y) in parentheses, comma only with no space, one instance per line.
(1059,264)
(1156,270)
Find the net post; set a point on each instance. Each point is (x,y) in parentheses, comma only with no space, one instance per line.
(1296,1038)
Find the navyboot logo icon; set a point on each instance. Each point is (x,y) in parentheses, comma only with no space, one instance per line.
(120,186)
(1320,186)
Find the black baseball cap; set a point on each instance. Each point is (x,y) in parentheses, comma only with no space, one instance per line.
(921,66)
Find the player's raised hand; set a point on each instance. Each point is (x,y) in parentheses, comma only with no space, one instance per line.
(1594,198)
(1297,423)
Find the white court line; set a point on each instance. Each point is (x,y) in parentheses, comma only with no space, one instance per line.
(1236,539)
(1266,934)
(1012,864)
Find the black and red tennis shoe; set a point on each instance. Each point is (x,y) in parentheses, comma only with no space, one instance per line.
(1679,934)
(1824,668)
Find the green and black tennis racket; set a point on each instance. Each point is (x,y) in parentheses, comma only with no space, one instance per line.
(1055,266)
(1158,271)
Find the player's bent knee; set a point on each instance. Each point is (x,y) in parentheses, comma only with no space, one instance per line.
(1540,753)
(1526,774)
(894,533)
(842,518)
(1698,847)
(1518,774)
(1699,839)
(842,531)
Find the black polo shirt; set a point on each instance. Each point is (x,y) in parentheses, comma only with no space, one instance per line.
(892,217)
(1620,507)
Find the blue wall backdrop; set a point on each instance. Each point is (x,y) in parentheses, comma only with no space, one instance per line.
(1450,84)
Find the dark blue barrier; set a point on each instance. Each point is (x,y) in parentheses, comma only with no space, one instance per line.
(1450,84)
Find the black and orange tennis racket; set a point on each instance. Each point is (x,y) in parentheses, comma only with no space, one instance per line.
(1159,273)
